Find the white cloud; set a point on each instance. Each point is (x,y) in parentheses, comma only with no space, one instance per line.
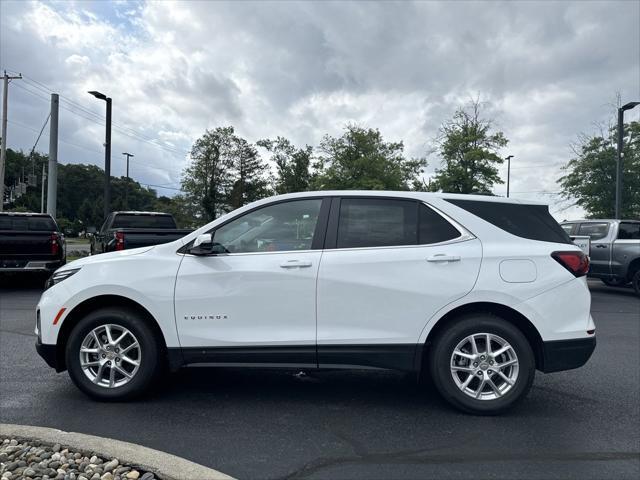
(303,69)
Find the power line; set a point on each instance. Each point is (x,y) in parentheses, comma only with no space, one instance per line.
(83,147)
(76,108)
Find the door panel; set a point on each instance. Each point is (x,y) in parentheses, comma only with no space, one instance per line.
(247,299)
(386,295)
(262,292)
(600,255)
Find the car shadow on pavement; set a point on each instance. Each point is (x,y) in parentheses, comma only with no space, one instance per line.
(297,386)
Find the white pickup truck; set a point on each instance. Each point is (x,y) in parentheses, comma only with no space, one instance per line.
(614,250)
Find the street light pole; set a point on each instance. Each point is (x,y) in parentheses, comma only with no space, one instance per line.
(619,169)
(508,172)
(107,153)
(126,187)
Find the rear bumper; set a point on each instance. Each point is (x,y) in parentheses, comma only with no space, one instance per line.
(561,355)
(36,266)
(49,354)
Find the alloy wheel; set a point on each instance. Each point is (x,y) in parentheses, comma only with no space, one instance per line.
(110,355)
(484,366)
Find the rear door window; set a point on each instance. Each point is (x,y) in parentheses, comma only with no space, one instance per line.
(434,228)
(375,222)
(527,221)
(568,227)
(629,231)
(596,231)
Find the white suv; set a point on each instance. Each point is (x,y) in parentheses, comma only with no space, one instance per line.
(476,291)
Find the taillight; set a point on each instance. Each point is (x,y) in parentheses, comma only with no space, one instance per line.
(576,262)
(55,246)
(119,236)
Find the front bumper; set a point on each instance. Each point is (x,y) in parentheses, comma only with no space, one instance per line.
(561,355)
(50,355)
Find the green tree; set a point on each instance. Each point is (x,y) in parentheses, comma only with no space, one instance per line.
(18,166)
(590,177)
(80,191)
(292,164)
(181,209)
(469,152)
(207,181)
(250,174)
(361,159)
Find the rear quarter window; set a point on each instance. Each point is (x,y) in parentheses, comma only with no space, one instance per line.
(527,221)
(433,228)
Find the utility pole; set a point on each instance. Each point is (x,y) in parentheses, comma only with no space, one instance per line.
(126,187)
(3,148)
(508,172)
(44,177)
(619,169)
(52,184)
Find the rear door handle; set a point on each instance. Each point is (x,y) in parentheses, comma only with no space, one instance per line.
(600,245)
(440,257)
(295,264)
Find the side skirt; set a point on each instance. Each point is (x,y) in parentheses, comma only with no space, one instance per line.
(390,356)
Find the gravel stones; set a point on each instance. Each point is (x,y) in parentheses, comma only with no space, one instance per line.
(29,460)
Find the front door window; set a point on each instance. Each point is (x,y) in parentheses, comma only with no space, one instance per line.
(288,226)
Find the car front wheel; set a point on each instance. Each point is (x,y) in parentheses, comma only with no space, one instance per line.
(112,354)
(482,364)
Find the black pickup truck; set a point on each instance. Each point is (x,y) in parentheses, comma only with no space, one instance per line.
(30,242)
(126,230)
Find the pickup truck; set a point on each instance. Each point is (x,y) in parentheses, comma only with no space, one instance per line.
(30,242)
(614,251)
(126,230)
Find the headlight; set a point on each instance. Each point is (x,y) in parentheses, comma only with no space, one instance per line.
(59,276)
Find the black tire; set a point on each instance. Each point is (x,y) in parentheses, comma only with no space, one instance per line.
(614,282)
(440,359)
(635,281)
(150,361)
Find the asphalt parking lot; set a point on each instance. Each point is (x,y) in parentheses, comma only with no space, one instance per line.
(273,424)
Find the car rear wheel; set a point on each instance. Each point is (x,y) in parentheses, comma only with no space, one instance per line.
(482,364)
(112,354)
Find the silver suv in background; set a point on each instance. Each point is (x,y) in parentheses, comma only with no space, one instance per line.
(615,249)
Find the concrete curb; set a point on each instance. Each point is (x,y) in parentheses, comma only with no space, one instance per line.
(165,465)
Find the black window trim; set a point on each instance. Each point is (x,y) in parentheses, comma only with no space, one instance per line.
(318,235)
(331,239)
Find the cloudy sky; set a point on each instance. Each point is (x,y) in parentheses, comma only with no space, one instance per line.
(547,71)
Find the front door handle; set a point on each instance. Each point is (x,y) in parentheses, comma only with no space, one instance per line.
(440,257)
(295,264)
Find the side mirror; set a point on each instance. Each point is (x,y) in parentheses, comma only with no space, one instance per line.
(91,230)
(203,245)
